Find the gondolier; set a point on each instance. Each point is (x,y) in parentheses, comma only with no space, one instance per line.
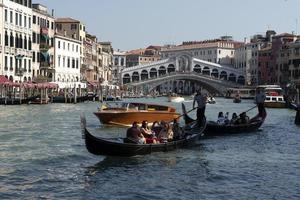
(260,99)
(201,101)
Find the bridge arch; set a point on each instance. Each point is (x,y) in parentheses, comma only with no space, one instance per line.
(241,80)
(223,75)
(171,68)
(144,75)
(126,78)
(153,73)
(197,69)
(135,77)
(215,73)
(206,71)
(232,77)
(162,71)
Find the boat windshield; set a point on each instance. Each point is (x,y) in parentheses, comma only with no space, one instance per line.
(116,105)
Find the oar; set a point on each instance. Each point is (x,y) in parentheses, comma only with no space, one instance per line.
(183,114)
(249,109)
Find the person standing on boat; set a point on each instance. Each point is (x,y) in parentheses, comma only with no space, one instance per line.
(259,100)
(201,101)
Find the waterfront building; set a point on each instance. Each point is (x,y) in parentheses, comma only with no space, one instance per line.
(273,59)
(67,62)
(143,56)
(16,42)
(42,44)
(90,63)
(74,29)
(105,62)
(294,63)
(219,51)
(119,63)
(246,59)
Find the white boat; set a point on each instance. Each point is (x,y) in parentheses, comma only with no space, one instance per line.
(243,93)
(274,96)
(177,99)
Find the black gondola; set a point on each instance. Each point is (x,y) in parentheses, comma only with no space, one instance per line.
(16,101)
(213,128)
(116,147)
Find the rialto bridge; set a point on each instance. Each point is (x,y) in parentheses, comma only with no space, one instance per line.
(182,74)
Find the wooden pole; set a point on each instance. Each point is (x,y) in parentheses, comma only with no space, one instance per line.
(75,94)
(297,118)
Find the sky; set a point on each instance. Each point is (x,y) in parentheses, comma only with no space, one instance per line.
(133,24)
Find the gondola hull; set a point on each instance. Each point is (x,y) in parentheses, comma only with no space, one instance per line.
(212,128)
(116,147)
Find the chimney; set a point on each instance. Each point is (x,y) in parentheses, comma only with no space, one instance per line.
(52,12)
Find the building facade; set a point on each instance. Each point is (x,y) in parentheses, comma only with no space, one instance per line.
(219,51)
(16,40)
(119,63)
(42,44)
(67,62)
(143,56)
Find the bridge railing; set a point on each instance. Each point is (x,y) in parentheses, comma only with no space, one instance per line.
(212,78)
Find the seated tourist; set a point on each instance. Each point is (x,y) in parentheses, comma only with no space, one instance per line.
(147,133)
(134,134)
(177,130)
(244,119)
(221,118)
(156,127)
(234,119)
(166,132)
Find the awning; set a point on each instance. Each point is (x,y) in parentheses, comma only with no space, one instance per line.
(4,80)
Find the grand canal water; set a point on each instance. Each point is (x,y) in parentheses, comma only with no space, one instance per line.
(42,156)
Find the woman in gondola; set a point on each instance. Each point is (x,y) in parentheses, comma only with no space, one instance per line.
(166,134)
(147,133)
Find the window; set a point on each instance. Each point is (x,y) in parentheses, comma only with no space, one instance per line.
(5,63)
(73,63)
(11,63)
(25,65)
(29,65)
(29,22)
(64,45)
(34,19)
(25,21)
(17,19)
(77,64)
(68,46)
(29,44)
(38,21)
(11,17)
(5,16)
(6,38)
(68,63)
(12,39)
(52,25)
(64,61)
(17,41)
(58,61)
(59,44)
(33,56)
(34,37)
(20,20)
(76,48)
(73,26)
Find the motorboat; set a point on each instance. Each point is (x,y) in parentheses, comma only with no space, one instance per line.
(125,113)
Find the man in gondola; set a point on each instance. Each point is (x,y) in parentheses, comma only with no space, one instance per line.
(260,99)
(201,101)
(134,134)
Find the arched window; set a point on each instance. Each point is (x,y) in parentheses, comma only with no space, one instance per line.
(17,41)
(122,61)
(6,38)
(20,41)
(12,40)
(25,42)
